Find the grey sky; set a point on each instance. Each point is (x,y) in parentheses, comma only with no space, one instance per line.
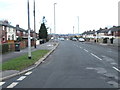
(93,14)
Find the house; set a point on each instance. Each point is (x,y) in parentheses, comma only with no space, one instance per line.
(8,32)
(89,35)
(3,34)
(115,31)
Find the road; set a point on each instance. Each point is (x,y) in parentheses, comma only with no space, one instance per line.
(72,65)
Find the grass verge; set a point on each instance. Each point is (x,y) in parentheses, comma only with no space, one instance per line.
(23,62)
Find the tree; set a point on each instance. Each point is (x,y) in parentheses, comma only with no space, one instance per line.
(43,34)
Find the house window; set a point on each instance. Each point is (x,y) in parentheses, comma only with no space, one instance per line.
(3,39)
(8,37)
(13,37)
(18,31)
(3,27)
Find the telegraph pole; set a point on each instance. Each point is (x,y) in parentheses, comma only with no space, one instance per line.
(34,26)
(54,20)
(78,24)
(73,29)
(29,37)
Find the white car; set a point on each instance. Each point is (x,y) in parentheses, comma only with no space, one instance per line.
(81,39)
(62,39)
(74,39)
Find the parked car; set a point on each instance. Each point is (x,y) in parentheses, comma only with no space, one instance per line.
(74,39)
(81,39)
(61,39)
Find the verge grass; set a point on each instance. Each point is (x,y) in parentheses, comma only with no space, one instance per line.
(23,62)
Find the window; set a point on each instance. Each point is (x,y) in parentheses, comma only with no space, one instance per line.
(3,27)
(24,33)
(18,31)
(8,37)
(13,37)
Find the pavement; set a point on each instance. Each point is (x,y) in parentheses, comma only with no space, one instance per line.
(11,73)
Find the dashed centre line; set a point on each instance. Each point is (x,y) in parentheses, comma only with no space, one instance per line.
(12,85)
(96,56)
(116,69)
(28,73)
(1,83)
(80,47)
(86,50)
(21,78)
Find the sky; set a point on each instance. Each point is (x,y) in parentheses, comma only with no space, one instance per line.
(93,14)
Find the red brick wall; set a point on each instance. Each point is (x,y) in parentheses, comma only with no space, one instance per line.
(22,44)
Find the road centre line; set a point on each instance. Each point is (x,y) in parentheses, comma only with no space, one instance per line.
(28,73)
(86,50)
(21,78)
(116,69)
(12,85)
(96,56)
(1,83)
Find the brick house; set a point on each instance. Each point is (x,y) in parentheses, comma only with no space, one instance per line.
(7,32)
(115,31)
(3,34)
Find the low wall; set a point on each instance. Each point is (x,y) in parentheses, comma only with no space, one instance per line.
(116,42)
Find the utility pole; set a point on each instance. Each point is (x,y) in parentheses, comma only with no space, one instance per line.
(50,31)
(73,29)
(29,37)
(78,24)
(54,20)
(34,26)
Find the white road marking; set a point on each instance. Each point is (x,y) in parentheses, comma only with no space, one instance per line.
(96,56)
(12,85)
(116,69)
(28,73)
(1,83)
(80,47)
(86,50)
(21,78)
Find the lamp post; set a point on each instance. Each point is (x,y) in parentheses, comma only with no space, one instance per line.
(73,29)
(29,37)
(78,24)
(34,26)
(54,20)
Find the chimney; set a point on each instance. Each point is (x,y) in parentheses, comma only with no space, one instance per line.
(17,26)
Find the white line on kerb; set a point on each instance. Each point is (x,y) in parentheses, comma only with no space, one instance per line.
(116,69)
(1,83)
(21,78)
(28,73)
(96,56)
(12,85)
(86,50)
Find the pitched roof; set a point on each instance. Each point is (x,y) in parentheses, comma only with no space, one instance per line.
(88,32)
(113,29)
(7,25)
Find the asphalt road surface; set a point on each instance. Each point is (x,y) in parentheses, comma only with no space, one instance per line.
(72,65)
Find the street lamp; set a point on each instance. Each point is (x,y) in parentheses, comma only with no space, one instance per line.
(54,19)
(73,29)
(29,37)
(34,26)
(78,24)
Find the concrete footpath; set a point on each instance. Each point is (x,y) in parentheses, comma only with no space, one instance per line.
(11,73)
